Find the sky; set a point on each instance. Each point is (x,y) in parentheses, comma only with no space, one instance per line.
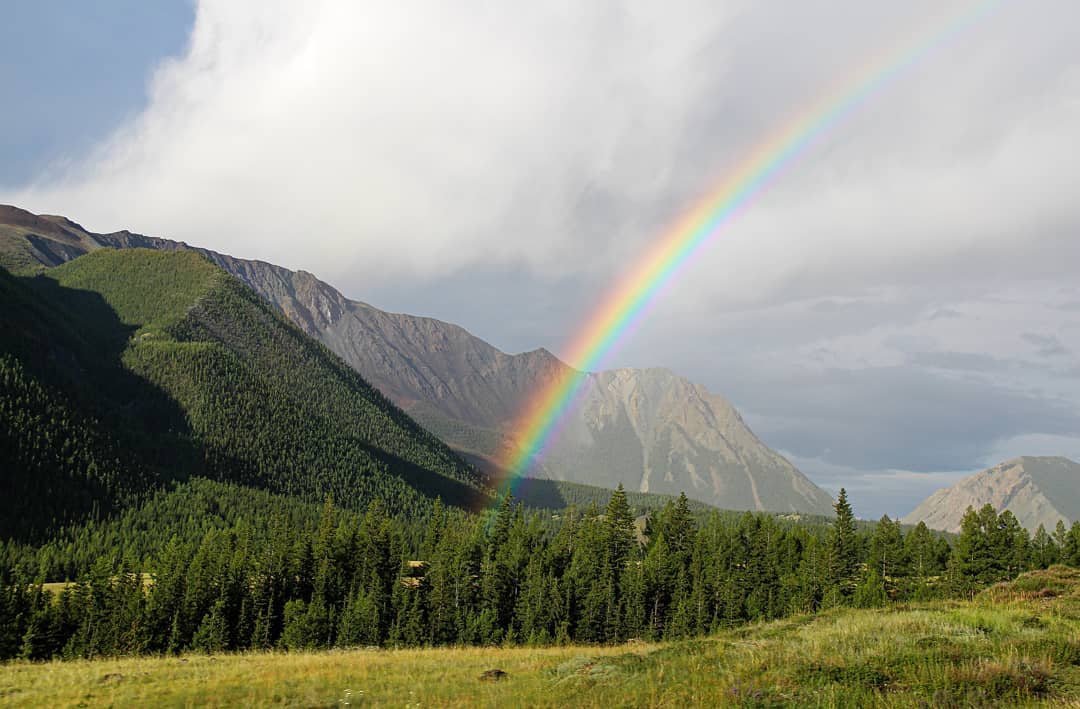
(899,309)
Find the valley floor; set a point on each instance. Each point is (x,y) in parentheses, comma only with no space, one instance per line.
(1015,644)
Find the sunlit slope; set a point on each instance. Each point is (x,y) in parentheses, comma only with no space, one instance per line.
(180,369)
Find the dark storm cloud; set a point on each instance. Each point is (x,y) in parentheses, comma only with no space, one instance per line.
(915,420)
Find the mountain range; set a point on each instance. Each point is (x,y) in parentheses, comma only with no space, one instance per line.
(1037,490)
(651,430)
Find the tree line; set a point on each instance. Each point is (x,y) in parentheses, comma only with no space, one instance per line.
(506,577)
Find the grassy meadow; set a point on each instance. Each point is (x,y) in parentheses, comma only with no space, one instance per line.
(1014,644)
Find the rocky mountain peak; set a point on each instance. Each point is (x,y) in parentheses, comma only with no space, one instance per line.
(1036,489)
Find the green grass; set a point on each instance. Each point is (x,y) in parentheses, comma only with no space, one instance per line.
(1014,645)
(148,289)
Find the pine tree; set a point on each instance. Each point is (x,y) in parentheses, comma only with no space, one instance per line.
(1061,535)
(921,551)
(1012,545)
(980,556)
(619,529)
(888,557)
(679,526)
(1044,552)
(811,578)
(213,633)
(871,592)
(659,571)
(843,551)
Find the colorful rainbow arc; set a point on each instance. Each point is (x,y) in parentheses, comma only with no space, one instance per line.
(625,303)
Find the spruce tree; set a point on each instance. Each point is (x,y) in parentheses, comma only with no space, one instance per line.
(921,550)
(888,557)
(619,529)
(843,551)
(1044,552)
(981,555)
(1061,535)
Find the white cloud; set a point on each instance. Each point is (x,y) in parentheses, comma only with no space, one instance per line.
(381,138)
(375,140)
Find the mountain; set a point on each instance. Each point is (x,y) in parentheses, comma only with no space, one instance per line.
(122,371)
(662,433)
(1036,490)
(650,429)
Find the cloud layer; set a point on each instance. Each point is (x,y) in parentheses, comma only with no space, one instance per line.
(390,139)
(898,299)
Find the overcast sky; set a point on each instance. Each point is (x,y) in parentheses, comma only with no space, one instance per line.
(900,307)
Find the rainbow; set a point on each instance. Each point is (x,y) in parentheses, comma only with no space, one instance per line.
(626,303)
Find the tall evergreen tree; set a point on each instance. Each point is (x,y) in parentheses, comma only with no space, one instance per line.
(1044,552)
(922,554)
(888,556)
(843,551)
(619,529)
(984,552)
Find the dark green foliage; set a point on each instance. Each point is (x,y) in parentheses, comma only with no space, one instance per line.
(926,555)
(843,552)
(990,548)
(263,571)
(1044,552)
(123,370)
(887,563)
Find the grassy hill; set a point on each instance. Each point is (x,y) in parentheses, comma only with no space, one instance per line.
(123,370)
(1016,644)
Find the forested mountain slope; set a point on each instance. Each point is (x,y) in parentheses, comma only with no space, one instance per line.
(121,370)
(650,430)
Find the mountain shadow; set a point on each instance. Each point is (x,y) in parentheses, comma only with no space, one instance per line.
(122,371)
(81,435)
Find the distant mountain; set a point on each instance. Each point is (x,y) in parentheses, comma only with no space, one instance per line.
(121,371)
(651,430)
(1036,490)
(658,432)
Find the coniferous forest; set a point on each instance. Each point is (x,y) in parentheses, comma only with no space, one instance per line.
(123,372)
(185,470)
(339,578)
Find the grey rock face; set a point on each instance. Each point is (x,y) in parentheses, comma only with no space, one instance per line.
(1037,490)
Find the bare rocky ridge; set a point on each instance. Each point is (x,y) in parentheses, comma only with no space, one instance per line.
(650,429)
(655,431)
(1036,490)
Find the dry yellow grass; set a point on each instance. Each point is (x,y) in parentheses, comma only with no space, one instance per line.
(58,587)
(429,677)
(1016,645)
